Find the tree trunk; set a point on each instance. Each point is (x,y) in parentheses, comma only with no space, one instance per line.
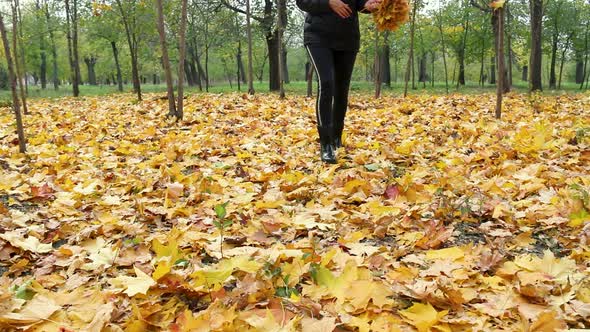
(493,70)
(133,49)
(585,70)
(552,71)
(117,65)
(273,61)
(250,59)
(525,73)
(90,63)
(377,67)
(182,57)
(509,40)
(282,8)
(75,42)
(42,50)
(55,78)
(422,72)
(72,51)
(15,43)
(579,71)
(165,59)
(410,66)
(286,78)
(567,45)
(482,78)
(499,13)
(536,65)
(444,48)
(23,62)
(12,78)
(385,66)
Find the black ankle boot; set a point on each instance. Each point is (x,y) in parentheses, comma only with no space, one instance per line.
(327,148)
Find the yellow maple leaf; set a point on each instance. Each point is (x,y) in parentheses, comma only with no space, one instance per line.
(132,286)
(424,317)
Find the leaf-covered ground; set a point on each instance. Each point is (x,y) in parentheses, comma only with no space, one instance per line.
(437,217)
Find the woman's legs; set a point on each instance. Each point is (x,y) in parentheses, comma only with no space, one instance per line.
(323,61)
(344,65)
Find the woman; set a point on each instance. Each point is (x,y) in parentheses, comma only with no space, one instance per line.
(332,38)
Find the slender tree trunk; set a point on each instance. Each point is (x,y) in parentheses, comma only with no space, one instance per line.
(567,45)
(377,66)
(23,62)
(12,78)
(509,40)
(71,52)
(282,7)
(499,12)
(90,63)
(461,55)
(482,68)
(273,60)
(117,65)
(182,56)
(536,65)
(55,78)
(493,69)
(250,67)
(385,66)
(74,17)
(42,49)
(133,49)
(586,51)
(552,70)
(165,59)
(444,48)
(410,66)
(15,43)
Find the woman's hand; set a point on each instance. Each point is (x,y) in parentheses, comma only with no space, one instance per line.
(372,5)
(340,8)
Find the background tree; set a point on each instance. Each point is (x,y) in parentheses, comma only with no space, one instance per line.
(11,76)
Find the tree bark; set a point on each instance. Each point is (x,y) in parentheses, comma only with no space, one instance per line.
(282,8)
(385,65)
(410,66)
(444,48)
(75,42)
(493,70)
(55,78)
(165,59)
(15,43)
(90,63)
(72,35)
(118,66)
(536,65)
(499,12)
(567,45)
(552,71)
(133,49)
(12,78)
(377,66)
(182,56)
(250,59)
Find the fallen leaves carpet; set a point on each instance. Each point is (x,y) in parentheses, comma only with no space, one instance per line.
(438,217)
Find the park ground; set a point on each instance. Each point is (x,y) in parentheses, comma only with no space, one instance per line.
(438,217)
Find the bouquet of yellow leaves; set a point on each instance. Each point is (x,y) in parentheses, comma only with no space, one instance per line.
(392,14)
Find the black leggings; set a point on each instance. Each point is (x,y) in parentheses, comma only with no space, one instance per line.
(334,70)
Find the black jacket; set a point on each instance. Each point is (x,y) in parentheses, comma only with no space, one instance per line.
(323,27)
